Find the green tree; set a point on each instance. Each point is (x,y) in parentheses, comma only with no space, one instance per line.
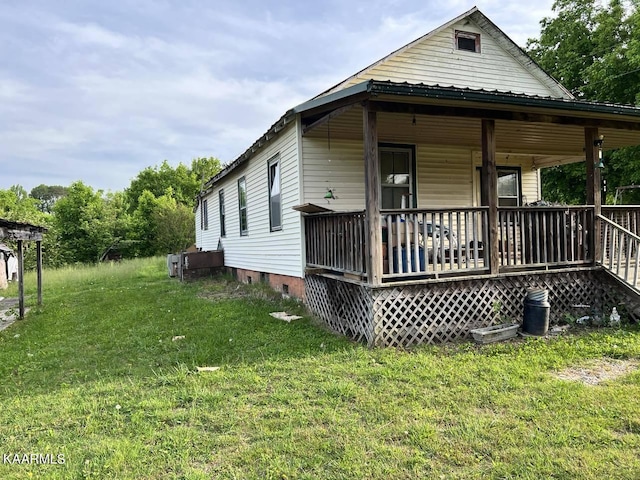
(86,224)
(174,225)
(17,206)
(184,181)
(593,49)
(47,195)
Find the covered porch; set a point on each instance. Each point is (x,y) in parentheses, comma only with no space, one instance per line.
(480,245)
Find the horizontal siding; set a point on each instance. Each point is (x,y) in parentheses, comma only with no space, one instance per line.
(435,61)
(444,177)
(336,165)
(261,250)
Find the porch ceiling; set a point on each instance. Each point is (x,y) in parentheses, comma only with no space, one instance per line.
(551,129)
(551,144)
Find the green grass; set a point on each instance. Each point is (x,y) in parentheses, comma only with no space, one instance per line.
(94,375)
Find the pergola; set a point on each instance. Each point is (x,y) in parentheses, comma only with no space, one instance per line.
(21,232)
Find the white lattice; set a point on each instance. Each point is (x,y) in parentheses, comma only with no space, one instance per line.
(415,314)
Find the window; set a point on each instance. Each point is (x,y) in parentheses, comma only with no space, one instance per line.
(397,178)
(275,205)
(467,41)
(508,187)
(204,216)
(242,206)
(223,229)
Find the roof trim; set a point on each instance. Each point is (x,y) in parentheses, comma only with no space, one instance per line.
(421,90)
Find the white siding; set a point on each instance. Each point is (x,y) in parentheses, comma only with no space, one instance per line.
(436,61)
(261,250)
(445,175)
(339,168)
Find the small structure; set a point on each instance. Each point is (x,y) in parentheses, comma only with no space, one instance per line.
(21,232)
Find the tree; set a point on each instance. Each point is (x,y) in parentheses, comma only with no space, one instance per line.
(185,182)
(47,195)
(16,205)
(594,50)
(173,225)
(86,224)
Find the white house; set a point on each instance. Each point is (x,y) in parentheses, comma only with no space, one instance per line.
(426,161)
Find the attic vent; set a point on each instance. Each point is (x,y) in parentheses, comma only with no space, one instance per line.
(468,41)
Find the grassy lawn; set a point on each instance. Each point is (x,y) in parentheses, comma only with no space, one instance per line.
(96,377)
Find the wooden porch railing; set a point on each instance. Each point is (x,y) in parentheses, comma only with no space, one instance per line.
(620,251)
(627,216)
(544,236)
(436,242)
(423,243)
(336,241)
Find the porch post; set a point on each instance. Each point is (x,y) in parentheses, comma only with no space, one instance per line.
(39,269)
(20,279)
(594,195)
(490,189)
(372,195)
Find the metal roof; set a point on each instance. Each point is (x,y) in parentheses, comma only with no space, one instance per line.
(376,89)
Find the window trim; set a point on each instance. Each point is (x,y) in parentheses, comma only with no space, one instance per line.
(204,214)
(469,36)
(243,232)
(275,160)
(515,169)
(413,184)
(222,213)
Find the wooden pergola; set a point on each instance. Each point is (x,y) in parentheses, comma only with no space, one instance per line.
(21,232)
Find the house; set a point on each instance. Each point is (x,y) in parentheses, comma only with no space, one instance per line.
(397,203)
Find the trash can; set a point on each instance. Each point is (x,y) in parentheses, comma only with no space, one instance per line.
(536,312)
(418,263)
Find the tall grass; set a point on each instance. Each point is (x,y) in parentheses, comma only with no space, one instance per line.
(105,374)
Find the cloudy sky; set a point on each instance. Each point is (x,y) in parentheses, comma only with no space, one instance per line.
(96,91)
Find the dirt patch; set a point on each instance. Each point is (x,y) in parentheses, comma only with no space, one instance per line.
(598,371)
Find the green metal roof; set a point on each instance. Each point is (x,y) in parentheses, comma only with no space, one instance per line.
(377,87)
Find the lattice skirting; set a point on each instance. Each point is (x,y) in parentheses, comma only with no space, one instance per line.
(439,312)
(345,307)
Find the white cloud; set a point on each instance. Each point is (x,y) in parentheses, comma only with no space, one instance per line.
(99,90)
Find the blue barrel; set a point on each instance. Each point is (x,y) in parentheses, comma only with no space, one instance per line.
(536,312)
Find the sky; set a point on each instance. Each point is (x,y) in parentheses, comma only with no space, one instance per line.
(97,91)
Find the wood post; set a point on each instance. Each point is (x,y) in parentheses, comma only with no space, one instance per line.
(490,190)
(372,196)
(39,269)
(21,278)
(594,195)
